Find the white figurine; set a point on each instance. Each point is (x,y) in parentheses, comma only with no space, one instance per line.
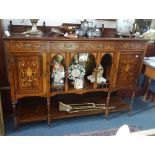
(100,79)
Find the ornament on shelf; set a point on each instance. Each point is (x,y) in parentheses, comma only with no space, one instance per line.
(34,30)
(97,73)
(58,72)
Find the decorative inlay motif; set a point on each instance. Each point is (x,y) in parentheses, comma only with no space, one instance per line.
(82,46)
(133,45)
(28,71)
(26,46)
(127,68)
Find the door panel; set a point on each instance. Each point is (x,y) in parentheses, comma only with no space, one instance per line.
(28,72)
(128,69)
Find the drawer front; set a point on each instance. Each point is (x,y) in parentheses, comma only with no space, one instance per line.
(26,46)
(131,45)
(87,46)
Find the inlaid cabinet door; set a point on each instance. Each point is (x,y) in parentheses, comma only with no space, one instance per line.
(129,64)
(27,71)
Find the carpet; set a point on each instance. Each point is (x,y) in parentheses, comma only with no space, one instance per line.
(106,132)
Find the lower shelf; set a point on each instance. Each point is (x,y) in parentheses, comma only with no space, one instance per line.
(28,113)
(38,112)
(116,103)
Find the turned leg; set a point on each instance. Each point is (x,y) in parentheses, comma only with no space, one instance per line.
(107,105)
(131,103)
(48,112)
(15,115)
(147,93)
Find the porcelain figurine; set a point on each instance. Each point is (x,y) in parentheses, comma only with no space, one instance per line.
(58,72)
(99,71)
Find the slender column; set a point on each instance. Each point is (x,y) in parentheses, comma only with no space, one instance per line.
(95,83)
(146,96)
(14,104)
(49,112)
(107,105)
(66,78)
(66,70)
(131,103)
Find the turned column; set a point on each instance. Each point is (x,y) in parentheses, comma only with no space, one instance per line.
(14,104)
(107,105)
(48,112)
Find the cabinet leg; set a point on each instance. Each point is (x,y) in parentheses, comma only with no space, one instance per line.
(49,112)
(131,103)
(147,93)
(107,105)
(106,114)
(15,116)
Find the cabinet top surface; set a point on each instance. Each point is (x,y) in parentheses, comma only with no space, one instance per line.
(57,38)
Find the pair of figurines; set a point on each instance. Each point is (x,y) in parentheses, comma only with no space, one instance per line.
(76,73)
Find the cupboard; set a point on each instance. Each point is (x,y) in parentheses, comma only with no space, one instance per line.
(31,62)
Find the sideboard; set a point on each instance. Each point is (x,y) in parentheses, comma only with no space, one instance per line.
(29,67)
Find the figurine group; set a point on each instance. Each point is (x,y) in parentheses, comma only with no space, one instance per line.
(76,73)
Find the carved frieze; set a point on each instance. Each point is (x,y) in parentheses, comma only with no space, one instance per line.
(82,46)
(26,46)
(130,45)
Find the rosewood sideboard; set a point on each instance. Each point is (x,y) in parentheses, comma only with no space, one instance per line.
(29,66)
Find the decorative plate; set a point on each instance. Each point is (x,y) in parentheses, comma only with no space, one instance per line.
(76,72)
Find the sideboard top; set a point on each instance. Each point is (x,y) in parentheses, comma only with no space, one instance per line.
(57,38)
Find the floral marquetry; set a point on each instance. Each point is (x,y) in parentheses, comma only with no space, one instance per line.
(128,67)
(29,70)
(26,46)
(132,45)
(82,46)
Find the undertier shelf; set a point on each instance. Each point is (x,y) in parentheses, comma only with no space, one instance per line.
(30,113)
(38,112)
(116,104)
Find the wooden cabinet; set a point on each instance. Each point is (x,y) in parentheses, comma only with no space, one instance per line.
(30,63)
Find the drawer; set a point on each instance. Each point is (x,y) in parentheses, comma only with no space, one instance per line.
(84,46)
(26,46)
(131,45)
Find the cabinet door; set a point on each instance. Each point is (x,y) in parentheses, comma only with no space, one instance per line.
(28,71)
(129,64)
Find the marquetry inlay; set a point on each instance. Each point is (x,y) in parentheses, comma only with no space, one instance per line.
(26,46)
(127,68)
(28,71)
(132,45)
(82,46)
